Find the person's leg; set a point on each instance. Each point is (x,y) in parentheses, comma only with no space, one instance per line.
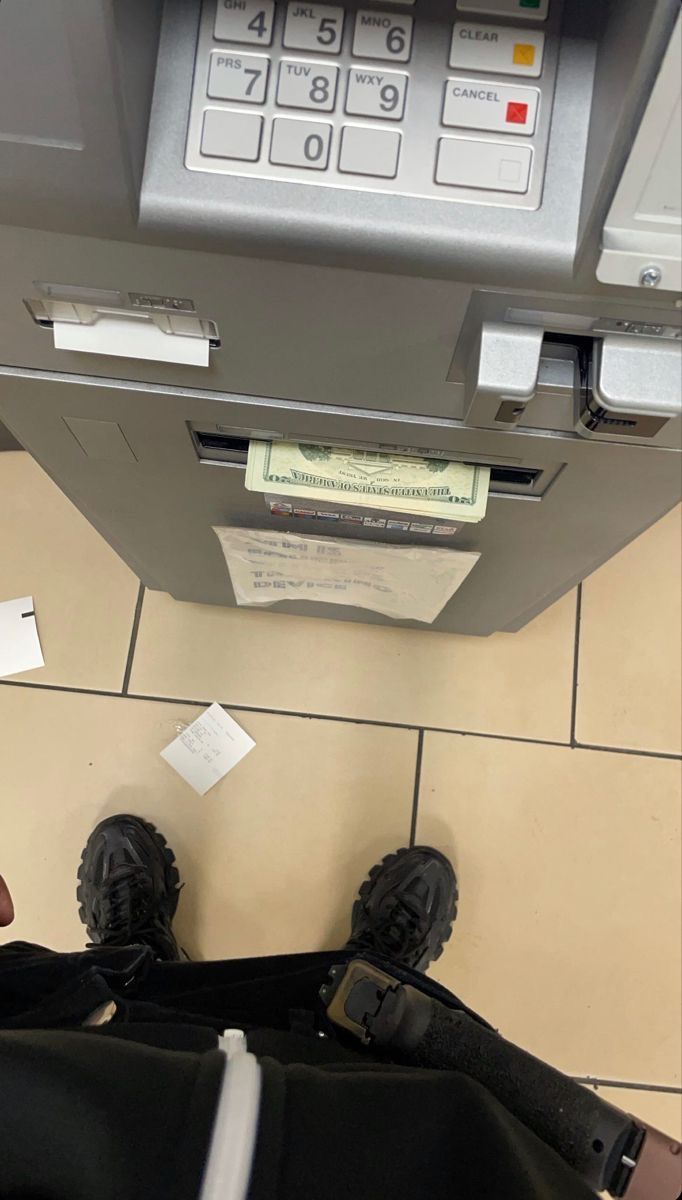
(129,887)
(401,921)
(406,908)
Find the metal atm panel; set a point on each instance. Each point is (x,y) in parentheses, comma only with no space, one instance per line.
(420,317)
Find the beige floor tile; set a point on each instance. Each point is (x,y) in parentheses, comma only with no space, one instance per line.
(569,934)
(84,594)
(272,856)
(517,684)
(630,675)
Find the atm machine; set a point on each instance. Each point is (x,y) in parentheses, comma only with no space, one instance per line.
(433,227)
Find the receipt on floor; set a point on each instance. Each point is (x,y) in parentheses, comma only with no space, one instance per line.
(19,642)
(403,582)
(208,748)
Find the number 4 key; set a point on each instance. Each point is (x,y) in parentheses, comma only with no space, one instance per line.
(246,21)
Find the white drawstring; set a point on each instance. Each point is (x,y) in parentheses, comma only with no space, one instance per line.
(233,1142)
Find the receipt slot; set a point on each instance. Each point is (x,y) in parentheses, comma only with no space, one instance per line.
(447,230)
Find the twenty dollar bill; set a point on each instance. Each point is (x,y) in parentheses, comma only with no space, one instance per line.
(397,483)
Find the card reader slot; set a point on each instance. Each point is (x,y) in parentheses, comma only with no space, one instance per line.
(222,441)
(223,447)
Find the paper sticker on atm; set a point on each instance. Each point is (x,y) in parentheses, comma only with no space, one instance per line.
(267,566)
(279,506)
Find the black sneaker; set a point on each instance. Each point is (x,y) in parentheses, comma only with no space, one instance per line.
(406,908)
(129,886)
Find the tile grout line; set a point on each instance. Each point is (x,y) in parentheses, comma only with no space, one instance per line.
(133,640)
(198,702)
(591,1081)
(417,783)
(576,661)
(665,754)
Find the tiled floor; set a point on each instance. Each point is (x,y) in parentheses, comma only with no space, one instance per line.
(547,765)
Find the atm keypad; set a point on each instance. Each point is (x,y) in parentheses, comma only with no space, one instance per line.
(453,120)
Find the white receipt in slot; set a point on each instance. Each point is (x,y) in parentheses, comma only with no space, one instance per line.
(131,337)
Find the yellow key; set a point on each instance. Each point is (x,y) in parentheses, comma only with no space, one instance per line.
(524,55)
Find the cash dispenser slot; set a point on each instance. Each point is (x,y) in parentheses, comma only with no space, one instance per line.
(233,451)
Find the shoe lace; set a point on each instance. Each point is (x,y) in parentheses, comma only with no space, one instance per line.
(399,928)
(128,910)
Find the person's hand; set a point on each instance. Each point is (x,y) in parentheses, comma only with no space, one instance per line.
(6,906)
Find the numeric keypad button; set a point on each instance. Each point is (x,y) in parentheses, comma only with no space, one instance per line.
(493,166)
(376,93)
(300,143)
(307,85)
(369,151)
(231,134)
(317,27)
(249,21)
(235,76)
(382,35)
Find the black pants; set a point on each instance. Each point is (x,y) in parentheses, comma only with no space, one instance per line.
(125,1112)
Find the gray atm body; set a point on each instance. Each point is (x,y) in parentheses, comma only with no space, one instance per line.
(475,324)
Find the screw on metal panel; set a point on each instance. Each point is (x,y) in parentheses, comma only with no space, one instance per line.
(650,276)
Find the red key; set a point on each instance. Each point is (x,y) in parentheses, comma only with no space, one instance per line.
(517,114)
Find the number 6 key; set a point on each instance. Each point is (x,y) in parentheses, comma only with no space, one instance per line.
(382,35)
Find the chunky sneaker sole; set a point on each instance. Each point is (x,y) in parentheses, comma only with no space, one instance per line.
(129,886)
(406,907)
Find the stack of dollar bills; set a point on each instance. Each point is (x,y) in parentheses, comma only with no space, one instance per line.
(431,487)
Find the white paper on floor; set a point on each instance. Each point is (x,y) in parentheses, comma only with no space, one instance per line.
(19,642)
(208,748)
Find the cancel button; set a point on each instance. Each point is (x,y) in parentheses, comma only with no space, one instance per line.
(475,93)
(502,107)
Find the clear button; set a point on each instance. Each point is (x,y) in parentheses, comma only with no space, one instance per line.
(497,48)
